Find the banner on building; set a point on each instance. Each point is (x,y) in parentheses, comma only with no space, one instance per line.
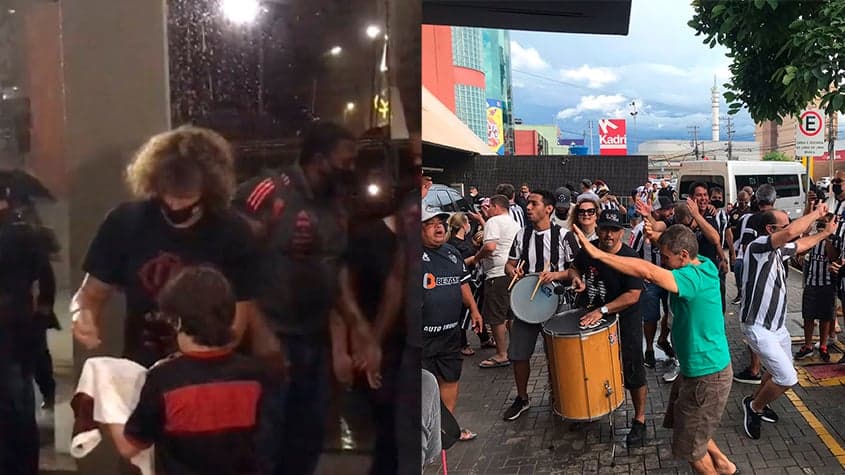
(495,127)
(612,137)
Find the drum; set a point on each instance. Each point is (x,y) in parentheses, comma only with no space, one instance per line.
(585,369)
(545,302)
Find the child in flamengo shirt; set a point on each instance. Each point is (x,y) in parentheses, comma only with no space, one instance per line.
(201,408)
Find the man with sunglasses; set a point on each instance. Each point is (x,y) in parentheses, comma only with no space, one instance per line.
(763,309)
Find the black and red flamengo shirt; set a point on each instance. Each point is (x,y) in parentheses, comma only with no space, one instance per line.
(201,411)
(444,272)
(306,249)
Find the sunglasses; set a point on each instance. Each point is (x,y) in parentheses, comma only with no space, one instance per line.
(587,212)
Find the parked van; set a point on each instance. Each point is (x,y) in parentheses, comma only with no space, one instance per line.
(788,178)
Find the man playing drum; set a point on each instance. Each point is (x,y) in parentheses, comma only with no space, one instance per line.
(699,395)
(546,247)
(609,292)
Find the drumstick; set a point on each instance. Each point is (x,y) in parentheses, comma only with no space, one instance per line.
(545,269)
(518,267)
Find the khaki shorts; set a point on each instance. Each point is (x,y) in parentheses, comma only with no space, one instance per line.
(497,300)
(695,410)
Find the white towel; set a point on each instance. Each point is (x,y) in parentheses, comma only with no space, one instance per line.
(115,385)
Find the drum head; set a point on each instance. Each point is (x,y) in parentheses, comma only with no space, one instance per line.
(540,309)
(569,323)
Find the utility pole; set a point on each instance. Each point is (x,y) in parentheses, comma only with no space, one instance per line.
(694,129)
(634,113)
(731,132)
(831,145)
(591,137)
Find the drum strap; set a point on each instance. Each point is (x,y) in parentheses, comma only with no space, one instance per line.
(554,244)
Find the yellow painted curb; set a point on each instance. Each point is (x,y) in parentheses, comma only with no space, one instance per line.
(818,427)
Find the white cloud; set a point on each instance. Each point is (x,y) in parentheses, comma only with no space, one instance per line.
(594,77)
(527,59)
(601,103)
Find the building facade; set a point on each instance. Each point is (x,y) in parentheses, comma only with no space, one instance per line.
(497,73)
(550,134)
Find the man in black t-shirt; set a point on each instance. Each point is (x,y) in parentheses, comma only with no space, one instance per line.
(445,283)
(22,262)
(608,292)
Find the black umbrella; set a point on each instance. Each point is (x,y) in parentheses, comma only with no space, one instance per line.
(20,186)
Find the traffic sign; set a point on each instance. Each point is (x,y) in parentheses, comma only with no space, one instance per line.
(809,135)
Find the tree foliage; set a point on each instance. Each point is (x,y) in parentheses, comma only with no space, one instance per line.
(785,53)
(776,157)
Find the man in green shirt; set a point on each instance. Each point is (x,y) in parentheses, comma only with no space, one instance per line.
(700,394)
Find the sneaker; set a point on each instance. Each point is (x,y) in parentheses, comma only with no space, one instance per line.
(803,353)
(666,348)
(517,408)
(824,354)
(672,374)
(768,415)
(649,359)
(637,434)
(737,300)
(752,419)
(747,377)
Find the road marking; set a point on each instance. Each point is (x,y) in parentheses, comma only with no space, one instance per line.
(818,427)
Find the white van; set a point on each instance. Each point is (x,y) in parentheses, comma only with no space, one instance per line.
(788,178)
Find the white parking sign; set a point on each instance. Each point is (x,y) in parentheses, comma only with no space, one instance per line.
(809,136)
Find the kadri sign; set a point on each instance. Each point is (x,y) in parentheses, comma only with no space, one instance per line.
(612,137)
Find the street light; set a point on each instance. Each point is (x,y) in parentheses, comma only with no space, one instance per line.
(335,51)
(240,12)
(373,31)
(350,106)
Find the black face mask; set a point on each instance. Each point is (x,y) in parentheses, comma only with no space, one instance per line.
(717,203)
(562,214)
(837,189)
(180,216)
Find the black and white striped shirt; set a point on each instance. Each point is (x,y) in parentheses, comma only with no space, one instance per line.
(539,250)
(816,271)
(764,283)
(609,205)
(643,246)
(517,214)
(721,220)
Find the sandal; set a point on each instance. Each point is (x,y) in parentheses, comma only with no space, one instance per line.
(493,363)
(467,351)
(467,435)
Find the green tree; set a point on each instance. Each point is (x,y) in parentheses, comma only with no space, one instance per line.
(785,53)
(776,157)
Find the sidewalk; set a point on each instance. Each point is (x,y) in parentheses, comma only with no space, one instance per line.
(808,439)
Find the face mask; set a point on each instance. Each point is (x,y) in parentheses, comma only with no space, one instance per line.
(180,216)
(837,188)
(717,203)
(562,214)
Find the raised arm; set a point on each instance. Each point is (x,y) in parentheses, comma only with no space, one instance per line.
(799,227)
(632,266)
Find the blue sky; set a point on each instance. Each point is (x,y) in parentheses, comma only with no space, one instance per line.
(660,65)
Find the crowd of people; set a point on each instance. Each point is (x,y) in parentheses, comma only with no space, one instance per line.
(242,300)
(669,272)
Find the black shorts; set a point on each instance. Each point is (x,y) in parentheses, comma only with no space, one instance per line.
(631,338)
(818,303)
(441,355)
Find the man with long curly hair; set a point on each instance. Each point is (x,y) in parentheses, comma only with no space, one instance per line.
(182,181)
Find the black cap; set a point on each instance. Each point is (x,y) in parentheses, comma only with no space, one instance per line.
(610,218)
(564,198)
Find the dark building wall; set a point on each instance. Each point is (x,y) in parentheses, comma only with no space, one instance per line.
(621,173)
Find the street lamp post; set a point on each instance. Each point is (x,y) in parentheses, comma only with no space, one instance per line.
(350,107)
